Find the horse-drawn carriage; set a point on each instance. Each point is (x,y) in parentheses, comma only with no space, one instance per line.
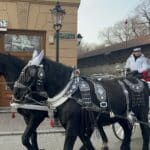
(83,103)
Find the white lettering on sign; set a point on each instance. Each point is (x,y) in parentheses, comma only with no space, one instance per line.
(3,25)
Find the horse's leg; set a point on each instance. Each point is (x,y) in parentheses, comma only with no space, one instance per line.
(145,133)
(145,129)
(127,134)
(72,131)
(26,117)
(30,132)
(87,145)
(104,138)
(34,140)
(34,134)
(26,139)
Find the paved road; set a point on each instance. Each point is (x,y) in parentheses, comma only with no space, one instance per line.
(11,129)
(55,142)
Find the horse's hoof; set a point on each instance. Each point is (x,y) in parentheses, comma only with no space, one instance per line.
(105,148)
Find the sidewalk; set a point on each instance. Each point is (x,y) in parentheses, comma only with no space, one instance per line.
(14,126)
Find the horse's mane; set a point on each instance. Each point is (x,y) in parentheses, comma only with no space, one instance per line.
(11,67)
(56,67)
(13,59)
(57,75)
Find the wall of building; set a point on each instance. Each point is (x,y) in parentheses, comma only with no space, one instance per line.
(35,15)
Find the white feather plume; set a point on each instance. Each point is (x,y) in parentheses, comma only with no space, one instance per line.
(35,54)
(36,60)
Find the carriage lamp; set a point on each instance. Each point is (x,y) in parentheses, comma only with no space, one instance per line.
(57,17)
(79,38)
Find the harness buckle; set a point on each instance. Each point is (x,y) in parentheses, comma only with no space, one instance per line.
(103,104)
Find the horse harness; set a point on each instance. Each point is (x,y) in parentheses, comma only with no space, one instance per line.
(135,90)
(76,82)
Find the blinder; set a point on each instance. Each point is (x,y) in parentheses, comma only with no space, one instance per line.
(32,71)
(28,77)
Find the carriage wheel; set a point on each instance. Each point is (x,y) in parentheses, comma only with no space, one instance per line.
(118,131)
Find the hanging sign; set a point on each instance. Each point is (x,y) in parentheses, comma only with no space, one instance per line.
(3,25)
(66,35)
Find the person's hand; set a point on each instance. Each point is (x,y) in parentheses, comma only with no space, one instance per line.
(135,72)
(128,70)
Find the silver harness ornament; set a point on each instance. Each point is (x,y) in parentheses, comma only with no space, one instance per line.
(85,92)
(101,95)
(136,87)
(136,92)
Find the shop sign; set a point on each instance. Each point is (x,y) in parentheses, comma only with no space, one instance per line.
(3,25)
(66,35)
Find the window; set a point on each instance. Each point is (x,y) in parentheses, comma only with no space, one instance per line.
(23,42)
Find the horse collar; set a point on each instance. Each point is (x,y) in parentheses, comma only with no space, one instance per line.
(138,87)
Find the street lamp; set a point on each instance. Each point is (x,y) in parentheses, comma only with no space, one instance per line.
(57,17)
(79,38)
(126,28)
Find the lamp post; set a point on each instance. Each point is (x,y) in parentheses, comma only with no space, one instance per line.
(126,28)
(57,17)
(79,38)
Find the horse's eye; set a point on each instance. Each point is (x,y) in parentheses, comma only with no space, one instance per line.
(32,72)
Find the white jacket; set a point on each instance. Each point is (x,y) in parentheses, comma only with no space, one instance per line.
(140,64)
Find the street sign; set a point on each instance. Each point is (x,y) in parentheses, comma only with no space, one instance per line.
(66,35)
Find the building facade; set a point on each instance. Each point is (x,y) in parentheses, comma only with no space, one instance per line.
(26,25)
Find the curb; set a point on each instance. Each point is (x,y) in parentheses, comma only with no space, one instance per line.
(55,131)
(5,109)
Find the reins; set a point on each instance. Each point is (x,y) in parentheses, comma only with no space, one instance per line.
(35,101)
(98,109)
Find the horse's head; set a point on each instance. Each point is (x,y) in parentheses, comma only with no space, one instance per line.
(52,76)
(27,81)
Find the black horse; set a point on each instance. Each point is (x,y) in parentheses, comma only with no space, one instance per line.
(70,113)
(10,68)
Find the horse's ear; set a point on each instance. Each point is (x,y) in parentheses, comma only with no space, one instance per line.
(35,54)
(37,60)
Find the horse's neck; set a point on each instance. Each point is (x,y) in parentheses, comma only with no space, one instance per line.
(9,77)
(59,79)
(11,73)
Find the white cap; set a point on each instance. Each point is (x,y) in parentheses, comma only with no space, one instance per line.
(136,49)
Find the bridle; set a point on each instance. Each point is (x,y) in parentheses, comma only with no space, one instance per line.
(68,90)
(28,88)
